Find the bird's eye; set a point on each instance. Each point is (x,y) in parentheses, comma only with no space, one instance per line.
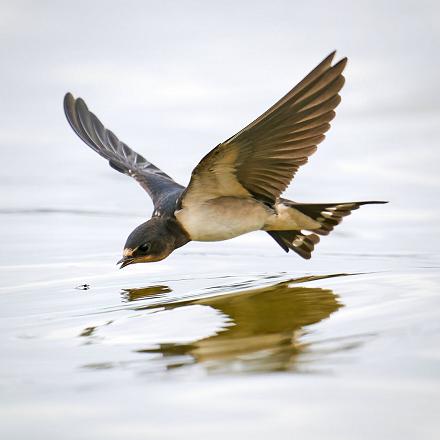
(145,247)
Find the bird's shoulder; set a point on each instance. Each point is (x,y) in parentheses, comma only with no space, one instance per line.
(168,203)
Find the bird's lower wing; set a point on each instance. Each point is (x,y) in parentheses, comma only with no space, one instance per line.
(120,156)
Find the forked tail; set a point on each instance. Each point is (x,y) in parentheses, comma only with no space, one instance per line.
(328,215)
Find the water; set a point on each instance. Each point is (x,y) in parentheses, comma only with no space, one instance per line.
(233,339)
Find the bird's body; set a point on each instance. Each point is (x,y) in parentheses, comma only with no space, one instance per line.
(236,188)
(216,219)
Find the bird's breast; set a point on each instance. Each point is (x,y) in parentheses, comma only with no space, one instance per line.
(222,218)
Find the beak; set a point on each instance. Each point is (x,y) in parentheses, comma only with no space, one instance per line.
(125,261)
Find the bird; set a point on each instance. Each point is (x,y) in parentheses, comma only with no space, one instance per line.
(236,188)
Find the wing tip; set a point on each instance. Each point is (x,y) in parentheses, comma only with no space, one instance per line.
(67,102)
(72,104)
(68,96)
(81,107)
(329,58)
(340,64)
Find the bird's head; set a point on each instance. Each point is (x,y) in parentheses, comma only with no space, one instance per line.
(151,241)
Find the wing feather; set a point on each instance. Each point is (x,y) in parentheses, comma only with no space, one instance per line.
(262,159)
(120,156)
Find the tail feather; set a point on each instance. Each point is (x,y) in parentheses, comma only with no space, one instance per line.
(328,215)
(296,241)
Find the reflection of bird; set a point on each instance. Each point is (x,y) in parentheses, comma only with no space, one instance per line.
(263,335)
(236,187)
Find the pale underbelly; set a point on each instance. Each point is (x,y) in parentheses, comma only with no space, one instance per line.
(222,218)
(287,218)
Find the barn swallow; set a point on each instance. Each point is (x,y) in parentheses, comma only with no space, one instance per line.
(236,188)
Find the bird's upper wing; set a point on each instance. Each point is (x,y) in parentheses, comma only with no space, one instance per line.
(120,156)
(261,159)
